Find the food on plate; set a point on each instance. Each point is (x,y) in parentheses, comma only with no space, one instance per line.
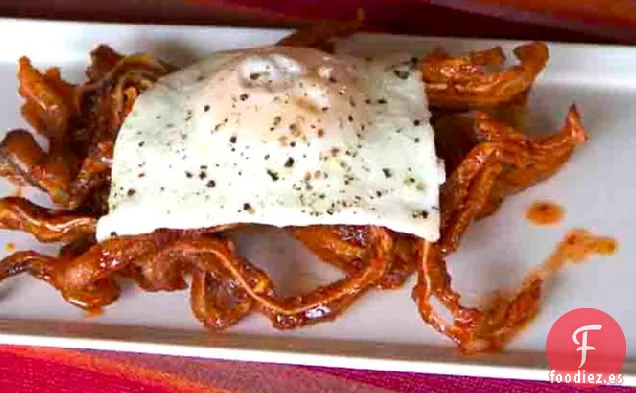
(377,164)
(476,330)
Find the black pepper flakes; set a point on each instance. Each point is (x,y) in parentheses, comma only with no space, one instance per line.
(206,108)
(387,172)
(402,74)
(350,118)
(333,80)
(188,174)
(140,144)
(420,214)
(325,108)
(272,174)
(131,192)
(416,122)
(210,184)
(255,75)
(289,163)
(416,140)
(244,96)
(219,125)
(202,175)
(233,139)
(276,121)
(367,101)
(382,101)
(292,143)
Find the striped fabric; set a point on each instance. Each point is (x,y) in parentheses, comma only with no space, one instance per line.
(62,371)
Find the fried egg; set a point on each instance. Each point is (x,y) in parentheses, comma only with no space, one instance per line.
(279,136)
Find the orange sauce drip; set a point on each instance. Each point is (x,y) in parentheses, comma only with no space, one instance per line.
(10,246)
(577,246)
(545,213)
(94,312)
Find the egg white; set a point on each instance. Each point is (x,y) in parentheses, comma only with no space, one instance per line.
(282,137)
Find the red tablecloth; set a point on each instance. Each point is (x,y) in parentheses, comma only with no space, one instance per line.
(65,371)
(56,370)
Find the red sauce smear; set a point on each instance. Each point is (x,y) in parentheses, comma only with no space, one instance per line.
(576,247)
(545,213)
(10,246)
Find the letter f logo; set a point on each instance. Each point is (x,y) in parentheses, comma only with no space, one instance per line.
(583,344)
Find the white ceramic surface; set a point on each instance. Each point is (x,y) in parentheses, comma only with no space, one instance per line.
(382,331)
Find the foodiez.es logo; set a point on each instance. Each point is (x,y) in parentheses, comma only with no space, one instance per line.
(586,348)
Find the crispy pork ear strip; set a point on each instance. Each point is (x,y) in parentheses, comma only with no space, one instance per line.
(464,83)
(472,329)
(502,163)
(489,329)
(162,258)
(218,301)
(326,303)
(23,162)
(80,123)
(45,224)
(344,247)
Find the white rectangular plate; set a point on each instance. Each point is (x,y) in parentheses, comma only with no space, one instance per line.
(383,330)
